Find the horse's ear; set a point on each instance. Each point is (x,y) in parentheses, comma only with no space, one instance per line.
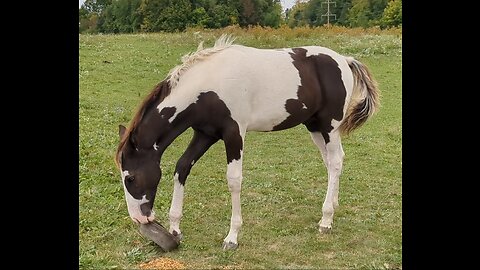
(121,131)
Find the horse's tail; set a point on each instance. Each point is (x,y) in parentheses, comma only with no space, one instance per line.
(365,97)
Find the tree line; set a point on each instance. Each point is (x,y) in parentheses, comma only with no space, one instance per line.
(131,16)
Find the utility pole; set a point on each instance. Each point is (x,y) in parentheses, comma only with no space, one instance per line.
(328,14)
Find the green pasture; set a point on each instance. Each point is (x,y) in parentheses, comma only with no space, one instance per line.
(284,177)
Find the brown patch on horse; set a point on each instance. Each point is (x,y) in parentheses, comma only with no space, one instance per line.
(322,92)
(211,116)
(158,94)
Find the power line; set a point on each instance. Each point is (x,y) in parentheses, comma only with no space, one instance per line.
(328,14)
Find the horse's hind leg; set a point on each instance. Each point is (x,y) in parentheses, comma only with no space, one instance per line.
(332,154)
(320,143)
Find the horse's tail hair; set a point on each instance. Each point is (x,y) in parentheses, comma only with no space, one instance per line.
(365,99)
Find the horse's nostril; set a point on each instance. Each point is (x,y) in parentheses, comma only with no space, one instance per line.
(146,209)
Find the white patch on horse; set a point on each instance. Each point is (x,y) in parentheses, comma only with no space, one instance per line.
(155,146)
(265,92)
(304,106)
(133,204)
(193,162)
(272,80)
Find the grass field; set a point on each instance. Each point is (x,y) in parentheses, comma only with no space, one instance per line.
(284,178)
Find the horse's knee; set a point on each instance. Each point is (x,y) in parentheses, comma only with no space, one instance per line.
(335,162)
(234,176)
(234,183)
(335,157)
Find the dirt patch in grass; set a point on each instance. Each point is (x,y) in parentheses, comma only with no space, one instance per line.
(162,263)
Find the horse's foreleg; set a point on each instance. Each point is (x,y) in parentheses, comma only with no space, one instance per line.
(197,147)
(234,148)
(176,207)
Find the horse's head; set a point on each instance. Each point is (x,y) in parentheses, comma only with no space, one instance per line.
(140,171)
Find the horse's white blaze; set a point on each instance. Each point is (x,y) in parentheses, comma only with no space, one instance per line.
(177,205)
(133,204)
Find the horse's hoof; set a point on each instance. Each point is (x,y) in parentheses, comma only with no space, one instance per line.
(179,236)
(325,230)
(229,246)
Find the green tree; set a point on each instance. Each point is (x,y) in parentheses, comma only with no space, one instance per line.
(342,9)
(392,15)
(96,6)
(248,13)
(89,14)
(222,15)
(272,14)
(296,15)
(106,21)
(126,16)
(366,13)
(311,13)
(200,17)
(165,15)
(88,21)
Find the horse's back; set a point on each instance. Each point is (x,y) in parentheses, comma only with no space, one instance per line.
(257,85)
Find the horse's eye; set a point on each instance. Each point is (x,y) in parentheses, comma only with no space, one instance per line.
(130,179)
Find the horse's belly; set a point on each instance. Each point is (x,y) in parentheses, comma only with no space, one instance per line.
(279,119)
(278,111)
(266,121)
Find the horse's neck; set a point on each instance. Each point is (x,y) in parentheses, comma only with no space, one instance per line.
(168,137)
(159,133)
(156,130)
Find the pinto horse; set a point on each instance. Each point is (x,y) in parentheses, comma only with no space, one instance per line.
(226,90)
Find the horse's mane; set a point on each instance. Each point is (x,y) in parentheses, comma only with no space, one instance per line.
(159,93)
(189,60)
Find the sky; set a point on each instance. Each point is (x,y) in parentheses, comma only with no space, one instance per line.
(285,3)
